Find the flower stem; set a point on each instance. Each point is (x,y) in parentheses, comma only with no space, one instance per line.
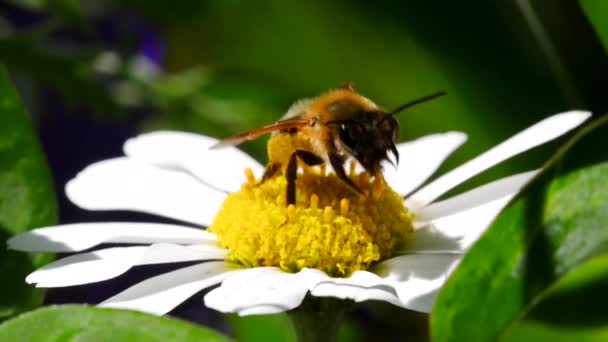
(318,318)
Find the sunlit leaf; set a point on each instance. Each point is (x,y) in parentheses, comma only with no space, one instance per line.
(83,323)
(558,223)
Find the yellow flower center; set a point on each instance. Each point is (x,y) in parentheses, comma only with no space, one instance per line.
(331,227)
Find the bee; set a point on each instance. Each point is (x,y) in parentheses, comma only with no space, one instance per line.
(330,129)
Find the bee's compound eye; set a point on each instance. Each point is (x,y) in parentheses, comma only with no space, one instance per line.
(346,136)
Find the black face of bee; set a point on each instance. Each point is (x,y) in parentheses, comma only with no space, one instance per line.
(368,137)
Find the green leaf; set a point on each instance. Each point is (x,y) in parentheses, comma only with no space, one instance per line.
(582,293)
(84,323)
(556,224)
(596,11)
(26,200)
(279,328)
(262,328)
(537,331)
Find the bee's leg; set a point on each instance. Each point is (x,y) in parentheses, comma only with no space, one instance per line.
(292,171)
(270,170)
(309,158)
(337,162)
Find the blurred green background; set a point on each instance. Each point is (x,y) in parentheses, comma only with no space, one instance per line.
(94,73)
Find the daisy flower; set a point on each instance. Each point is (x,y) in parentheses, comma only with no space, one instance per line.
(266,256)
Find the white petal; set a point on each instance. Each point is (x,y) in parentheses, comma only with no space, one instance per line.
(261,310)
(87,267)
(161,294)
(221,168)
(108,263)
(262,290)
(486,193)
(409,281)
(429,240)
(533,136)
(454,233)
(417,278)
(359,286)
(81,236)
(420,158)
(162,253)
(124,184)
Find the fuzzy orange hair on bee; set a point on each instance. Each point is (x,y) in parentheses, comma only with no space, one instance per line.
(330,128)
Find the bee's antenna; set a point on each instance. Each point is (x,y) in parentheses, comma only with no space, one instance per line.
(418,101)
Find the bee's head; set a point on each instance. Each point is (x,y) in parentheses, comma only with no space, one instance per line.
(369,136)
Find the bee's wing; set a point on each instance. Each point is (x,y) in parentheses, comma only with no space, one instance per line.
(291,123)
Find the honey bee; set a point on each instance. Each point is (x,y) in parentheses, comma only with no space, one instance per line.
(330,129)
